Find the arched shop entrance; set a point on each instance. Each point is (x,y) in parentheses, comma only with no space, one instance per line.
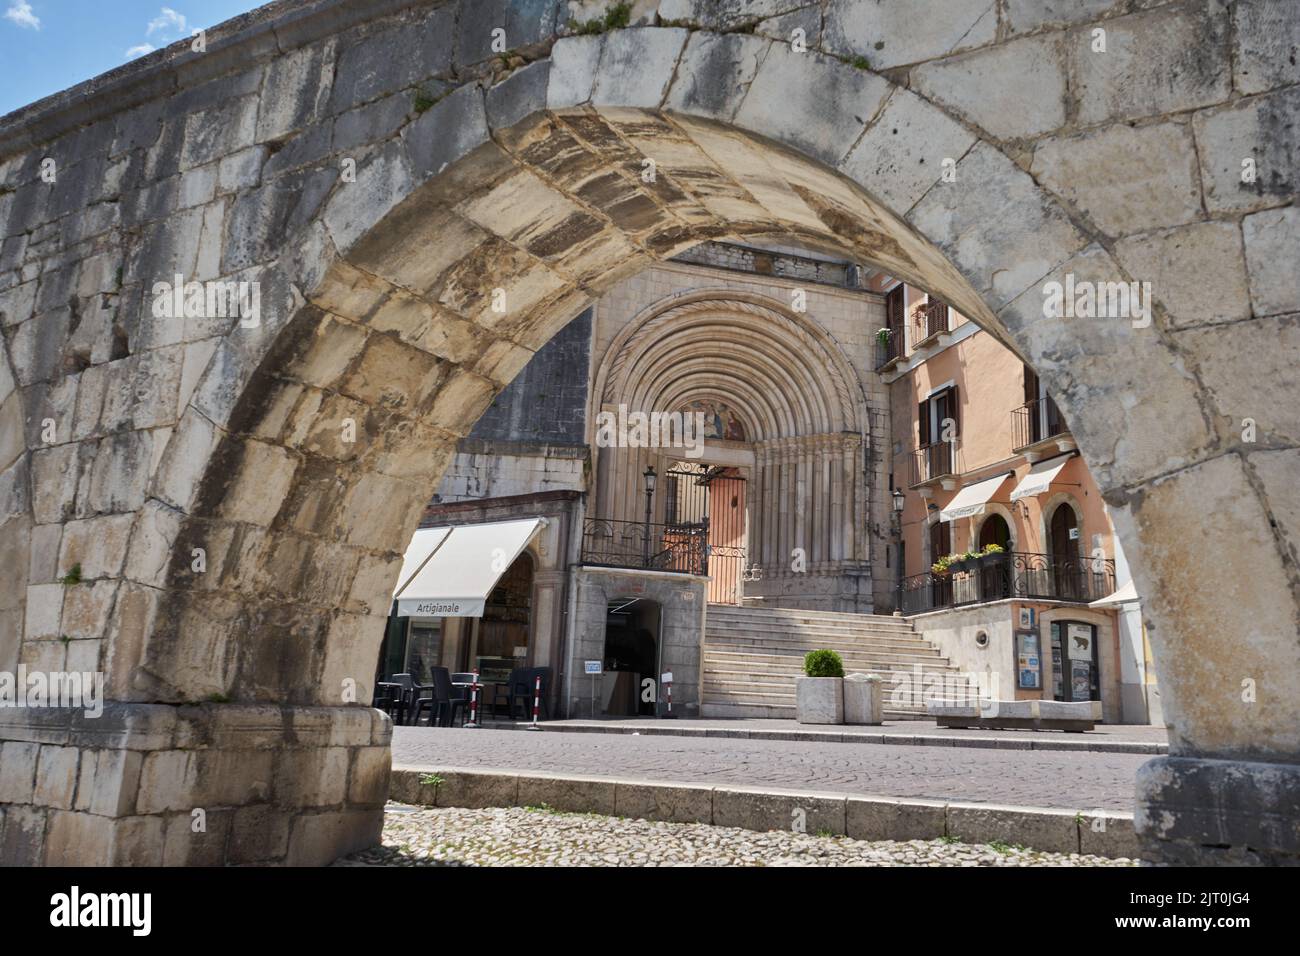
(402,296)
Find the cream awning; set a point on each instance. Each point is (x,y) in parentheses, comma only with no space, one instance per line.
(459,569)
(1126,595)
(1041,475)
(425,542)
(971,499)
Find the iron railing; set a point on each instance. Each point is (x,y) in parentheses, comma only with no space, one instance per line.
(683,548)
(1035,421)
(1012,574)
(891,347)
(933,461)
(928,320)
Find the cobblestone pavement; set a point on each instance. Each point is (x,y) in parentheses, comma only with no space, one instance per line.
(417,836)
(1023,778)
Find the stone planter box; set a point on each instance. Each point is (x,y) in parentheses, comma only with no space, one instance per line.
(864,700)
(819,700)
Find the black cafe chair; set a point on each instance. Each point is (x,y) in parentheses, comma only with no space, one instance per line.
(444,704)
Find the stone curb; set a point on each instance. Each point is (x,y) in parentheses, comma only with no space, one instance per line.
(825,737)
(862,817)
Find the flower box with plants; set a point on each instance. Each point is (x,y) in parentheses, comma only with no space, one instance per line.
(819,694)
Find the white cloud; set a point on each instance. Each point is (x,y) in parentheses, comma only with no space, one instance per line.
(140,50)
(20,12)
(168,21)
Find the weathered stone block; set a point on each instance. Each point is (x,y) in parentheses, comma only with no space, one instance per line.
(811,102)
(466,789)
(771,810)
(887,34)
(637,66)
(1250,152)
(56,777)
(296,90)
(1054,831)
(669,802)
(1197,272)
(1015,90)
(1109,176)
(1272,238)
(902,155)
(567,794)
(448,131)
(18,782)
(1266,36)
(880,818)
(1164,61)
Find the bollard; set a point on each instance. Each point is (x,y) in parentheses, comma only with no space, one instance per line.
(473,704)
(537,702)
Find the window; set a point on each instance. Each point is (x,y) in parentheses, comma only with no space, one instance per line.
(937,443)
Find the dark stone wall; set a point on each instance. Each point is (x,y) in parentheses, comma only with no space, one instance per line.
(547,402)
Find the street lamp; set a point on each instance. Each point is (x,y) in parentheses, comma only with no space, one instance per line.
(899,501)
(650,477)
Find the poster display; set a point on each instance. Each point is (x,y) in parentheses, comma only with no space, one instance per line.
(1078,640)
(1029,665)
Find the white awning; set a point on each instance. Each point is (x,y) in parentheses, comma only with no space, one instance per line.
(1041,475)
(1126,595)
(456,575)
(424,543)
(971,499)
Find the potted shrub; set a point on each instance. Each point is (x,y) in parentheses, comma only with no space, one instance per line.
(991,553)
(819,694)
(942,567)
(882,337)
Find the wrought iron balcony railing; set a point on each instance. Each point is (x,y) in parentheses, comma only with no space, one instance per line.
(683,548)
(933,461)
(1036,421)
(928,320)
(889,348)
(1012,574)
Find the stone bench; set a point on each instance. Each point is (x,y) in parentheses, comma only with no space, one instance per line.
(1070,716)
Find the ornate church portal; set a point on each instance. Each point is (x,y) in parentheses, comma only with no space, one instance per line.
(776,484)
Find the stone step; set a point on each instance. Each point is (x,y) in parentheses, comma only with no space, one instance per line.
(728,610)
(721,708)
(809,637)
(919,655)
(712,620)
(765,645)
(794,641)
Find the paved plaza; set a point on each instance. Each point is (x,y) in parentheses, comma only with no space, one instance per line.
(1063,780)
(538,836)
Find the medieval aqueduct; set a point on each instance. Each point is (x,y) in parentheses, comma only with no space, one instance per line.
(380,169)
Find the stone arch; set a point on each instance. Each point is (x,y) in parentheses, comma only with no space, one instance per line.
(1002,511)
(378,296)
(818,385)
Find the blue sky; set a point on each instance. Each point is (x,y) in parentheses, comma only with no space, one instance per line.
(49,45)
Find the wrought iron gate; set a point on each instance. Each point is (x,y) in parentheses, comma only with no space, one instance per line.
(711,496)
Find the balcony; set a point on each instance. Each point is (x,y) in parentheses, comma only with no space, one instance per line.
(930,320)
(889,349)
(934,464)
(1040,430)
(681,548)
(1014,574)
